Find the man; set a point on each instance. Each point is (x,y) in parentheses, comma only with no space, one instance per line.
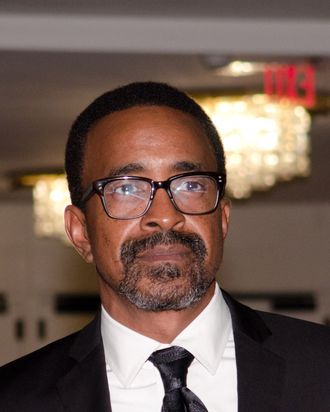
(146,174)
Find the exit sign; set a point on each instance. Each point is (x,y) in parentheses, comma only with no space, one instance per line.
(295,82)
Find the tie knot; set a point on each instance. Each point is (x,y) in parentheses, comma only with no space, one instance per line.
(172,364)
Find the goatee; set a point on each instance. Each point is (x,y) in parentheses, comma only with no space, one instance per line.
(166,286)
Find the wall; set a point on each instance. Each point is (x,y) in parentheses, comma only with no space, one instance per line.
(270,248)
(280,247)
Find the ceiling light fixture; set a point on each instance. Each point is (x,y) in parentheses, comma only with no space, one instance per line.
(239,68)
(266,140)
(50,197)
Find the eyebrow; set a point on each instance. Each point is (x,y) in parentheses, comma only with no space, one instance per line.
(186,166)
(126,170)
(131,168)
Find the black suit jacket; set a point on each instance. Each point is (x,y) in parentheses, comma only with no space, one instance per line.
(283,365)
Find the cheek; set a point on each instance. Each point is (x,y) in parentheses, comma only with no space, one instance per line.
(210,229)
(106,237)
(216,239)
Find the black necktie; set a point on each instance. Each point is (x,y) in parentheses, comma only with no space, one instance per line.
(173,364)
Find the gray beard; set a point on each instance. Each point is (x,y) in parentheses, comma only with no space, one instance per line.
(161,293)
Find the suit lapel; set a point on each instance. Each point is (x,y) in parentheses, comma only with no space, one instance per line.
(260,371)
(85,386)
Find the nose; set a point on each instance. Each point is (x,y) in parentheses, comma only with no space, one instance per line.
(162,215)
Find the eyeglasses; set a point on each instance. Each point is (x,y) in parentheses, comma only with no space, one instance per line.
(130,197)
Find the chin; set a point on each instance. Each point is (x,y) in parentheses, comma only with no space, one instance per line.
(165,287)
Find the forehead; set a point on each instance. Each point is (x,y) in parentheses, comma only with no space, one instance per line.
(153,137)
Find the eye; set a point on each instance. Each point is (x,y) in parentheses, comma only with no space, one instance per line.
(191,186)
(126,189)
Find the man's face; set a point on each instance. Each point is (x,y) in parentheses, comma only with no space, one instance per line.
(164,259)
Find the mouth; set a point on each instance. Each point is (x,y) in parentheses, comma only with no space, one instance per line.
(174,253)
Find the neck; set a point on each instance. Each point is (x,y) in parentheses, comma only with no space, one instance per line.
(162,326)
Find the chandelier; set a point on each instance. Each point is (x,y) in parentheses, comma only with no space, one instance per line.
(265,141)
(50,197)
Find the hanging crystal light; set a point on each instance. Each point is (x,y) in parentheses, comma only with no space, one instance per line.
(265,140)
(50,196)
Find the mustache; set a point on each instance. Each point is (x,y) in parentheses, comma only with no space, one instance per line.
(131,248)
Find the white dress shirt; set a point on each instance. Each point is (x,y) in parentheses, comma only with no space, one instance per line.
(135,384)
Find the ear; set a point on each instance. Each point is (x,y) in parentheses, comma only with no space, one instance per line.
(225,214)
(75,227)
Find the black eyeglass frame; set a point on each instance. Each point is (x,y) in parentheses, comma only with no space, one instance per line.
(97,187)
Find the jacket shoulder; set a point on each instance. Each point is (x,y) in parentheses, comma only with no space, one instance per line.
(31,383)
(49,360)
(298,334)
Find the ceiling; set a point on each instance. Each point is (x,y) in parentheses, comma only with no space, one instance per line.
(55,58)
(305,9)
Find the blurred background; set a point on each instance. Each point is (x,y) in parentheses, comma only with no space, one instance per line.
(260,69)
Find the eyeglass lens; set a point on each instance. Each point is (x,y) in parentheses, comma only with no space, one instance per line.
(127,198)
(130,198)
(194,194)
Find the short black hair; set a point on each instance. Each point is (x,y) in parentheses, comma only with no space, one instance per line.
(125,97)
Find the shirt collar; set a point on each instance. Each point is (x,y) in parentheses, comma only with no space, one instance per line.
(205,337)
